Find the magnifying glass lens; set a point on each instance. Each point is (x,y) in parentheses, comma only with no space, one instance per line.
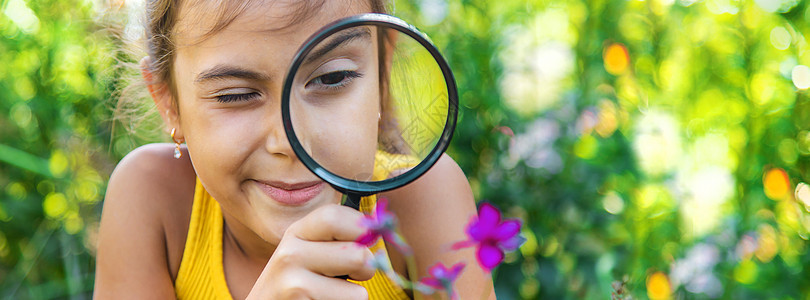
(368,103)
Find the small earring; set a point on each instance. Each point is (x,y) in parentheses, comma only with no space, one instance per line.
(177,153)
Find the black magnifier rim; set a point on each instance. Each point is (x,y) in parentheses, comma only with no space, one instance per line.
(364,188)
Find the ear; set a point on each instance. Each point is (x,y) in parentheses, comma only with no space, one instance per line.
(164,103)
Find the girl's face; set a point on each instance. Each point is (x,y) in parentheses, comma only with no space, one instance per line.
(229,86)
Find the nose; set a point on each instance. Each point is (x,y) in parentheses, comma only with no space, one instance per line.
(276,139)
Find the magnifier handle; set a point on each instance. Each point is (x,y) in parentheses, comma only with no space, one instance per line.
(352,200)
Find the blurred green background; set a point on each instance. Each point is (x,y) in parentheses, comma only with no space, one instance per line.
(655,149)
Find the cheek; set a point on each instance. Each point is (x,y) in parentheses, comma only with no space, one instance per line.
(219,143)
(342,138)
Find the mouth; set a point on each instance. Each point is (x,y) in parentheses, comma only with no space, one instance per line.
(294,194)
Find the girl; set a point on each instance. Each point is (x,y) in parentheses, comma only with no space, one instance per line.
(235,214)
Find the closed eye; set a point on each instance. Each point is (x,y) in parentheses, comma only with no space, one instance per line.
(229,98)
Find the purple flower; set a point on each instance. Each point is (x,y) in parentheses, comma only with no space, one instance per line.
(491,236)
(441,278)
(382,223)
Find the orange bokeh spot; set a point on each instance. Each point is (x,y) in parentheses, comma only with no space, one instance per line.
(658,286)
(776,184)
(616,58)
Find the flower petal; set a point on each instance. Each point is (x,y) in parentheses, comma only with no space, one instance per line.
(369,222)
(384,218)
(506,230)
(481,227)
(512,243)
(463,244)
(438,271)
(432,282)
(381,207)
(489,215)
(367,239)
(477,231)
(455,271)
(489,256)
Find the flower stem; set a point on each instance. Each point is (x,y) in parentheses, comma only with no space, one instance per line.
(413,274)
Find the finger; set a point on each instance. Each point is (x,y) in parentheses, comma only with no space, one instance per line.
(314,286)
(329,259)
(329,223)
(343,258)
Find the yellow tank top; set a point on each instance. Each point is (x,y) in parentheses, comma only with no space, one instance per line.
(201,275)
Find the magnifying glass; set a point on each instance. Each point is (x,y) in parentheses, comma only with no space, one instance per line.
(369,105)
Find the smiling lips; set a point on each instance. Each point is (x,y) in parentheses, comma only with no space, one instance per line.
(291,194)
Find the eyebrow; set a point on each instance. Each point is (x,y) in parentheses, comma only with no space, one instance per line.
(229,71)
(345,37)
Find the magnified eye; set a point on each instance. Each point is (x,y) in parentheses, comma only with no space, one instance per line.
(333,80)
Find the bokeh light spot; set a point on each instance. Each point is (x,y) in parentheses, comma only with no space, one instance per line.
(537,63)
(87,192)
(745,272)
(787,65)
(801,77)
(16,190)
(58,163)
(55,205)
(780,6)
(658,286)
(613,203)
(529,288)
(745,247)
(803,142)
(763,87)
(529,248)
(4,217)
(780,38)
(73,224)
(45,187)
(607,119)
(776,184)
(657,142)
(720,7)
(788,151)
(433,11)
(616,58)
(24,88)
(22,16)
(21,114)
(586,147)
(766,244)
(651,195)
(551,246)
(803,193)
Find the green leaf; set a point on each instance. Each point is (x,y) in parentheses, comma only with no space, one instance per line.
(24,160)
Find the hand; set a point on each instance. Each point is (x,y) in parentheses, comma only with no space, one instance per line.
(312,252)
